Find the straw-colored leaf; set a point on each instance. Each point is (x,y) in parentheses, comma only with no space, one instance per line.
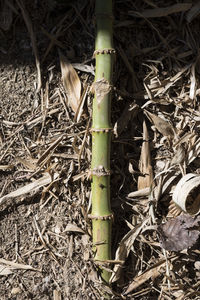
(4,271)
(145,166)
(32,188)
(71,82)
(162,11)
(14,265)
(129,113)
(163,126)
(193,12)
(73,228)
(124,249)
(152,273)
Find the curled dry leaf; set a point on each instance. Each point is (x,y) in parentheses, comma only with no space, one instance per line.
(71,82)
(179,233)
(187,193)
(163,126)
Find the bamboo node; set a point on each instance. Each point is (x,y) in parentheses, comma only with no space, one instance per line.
(103,130)
(100,171)
(104,51)
(105,217)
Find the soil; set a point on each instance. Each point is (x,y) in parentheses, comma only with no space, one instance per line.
(45,234)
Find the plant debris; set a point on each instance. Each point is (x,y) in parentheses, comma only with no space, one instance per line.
(179,233)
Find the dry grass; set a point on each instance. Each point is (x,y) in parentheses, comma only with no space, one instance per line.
(45,149)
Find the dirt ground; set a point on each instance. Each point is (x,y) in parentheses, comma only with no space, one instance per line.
(45,233)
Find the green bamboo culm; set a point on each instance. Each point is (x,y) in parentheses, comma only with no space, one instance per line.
(101,214)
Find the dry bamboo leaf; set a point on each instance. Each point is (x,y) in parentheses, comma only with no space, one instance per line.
(6,167)
(84,68)
(73,228)
(50,150)
(179,233)
(29,188)
(164,127)
(101,88)
(194,152)
(140,193)
(139,280)
(145,167)
(15,265)
(151,273)
(71,82)
(193,12)
(124,249)
(162,11)
(179,155)
(128,114)
(4,271)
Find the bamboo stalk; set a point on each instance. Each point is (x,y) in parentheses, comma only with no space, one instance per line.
(101,214)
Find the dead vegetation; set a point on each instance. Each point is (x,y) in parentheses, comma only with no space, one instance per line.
(46,73)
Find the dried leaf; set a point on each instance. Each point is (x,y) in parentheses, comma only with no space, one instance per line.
(139,280)
(193,12)
(84,68)
(128,114)
(6,167)
(4,271)
(73,228)
(124,249)
(187,193)
(179,156)
(162,11)
(32,188)
(152,273)
(179,233)
(15,265)
(71,82)
(140,193)
(164,127)
(145,167)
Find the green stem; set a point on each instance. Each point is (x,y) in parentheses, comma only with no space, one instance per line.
(101,135)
